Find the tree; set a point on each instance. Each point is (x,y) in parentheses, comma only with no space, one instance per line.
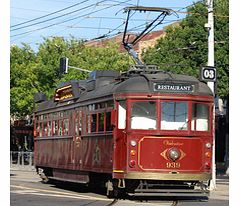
(39,72)
(184,48)
(23,81)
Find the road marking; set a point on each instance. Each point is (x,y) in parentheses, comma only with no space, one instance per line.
(35,191)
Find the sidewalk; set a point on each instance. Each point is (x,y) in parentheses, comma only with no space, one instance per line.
(222,188)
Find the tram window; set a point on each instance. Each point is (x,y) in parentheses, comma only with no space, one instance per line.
(174,115)
(91,107)
(110,104)
(108,122)
(60,128)
(45,128)
(80,121)
(49,128)
(61,114)
(143,115)
(77,125)
(200,119)
(122,115)
(66,126)
(66,113)
(88,123)
(93,122)
(40,129)
(55,127)
(101,122)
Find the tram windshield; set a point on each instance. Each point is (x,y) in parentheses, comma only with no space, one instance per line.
(200,117)
(143,115)
(174,115)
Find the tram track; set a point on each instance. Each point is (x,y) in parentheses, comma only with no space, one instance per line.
(174,203)
(113,202)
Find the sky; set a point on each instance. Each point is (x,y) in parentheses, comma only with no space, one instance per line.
(33,20)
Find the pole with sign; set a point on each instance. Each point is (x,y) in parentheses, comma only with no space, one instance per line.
(209,73)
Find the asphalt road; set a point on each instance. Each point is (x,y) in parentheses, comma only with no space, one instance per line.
(28,190)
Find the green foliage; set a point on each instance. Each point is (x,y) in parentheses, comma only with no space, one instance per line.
(39,72)
(184,49)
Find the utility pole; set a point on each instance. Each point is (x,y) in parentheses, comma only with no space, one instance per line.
(211,84)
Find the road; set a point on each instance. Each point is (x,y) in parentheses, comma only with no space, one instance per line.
(28,190)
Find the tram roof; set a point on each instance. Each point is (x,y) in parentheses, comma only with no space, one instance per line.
(131,83)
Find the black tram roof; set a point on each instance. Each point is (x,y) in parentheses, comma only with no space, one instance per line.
(105,83)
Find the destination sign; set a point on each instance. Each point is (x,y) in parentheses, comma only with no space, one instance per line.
(163,87)
(67,92)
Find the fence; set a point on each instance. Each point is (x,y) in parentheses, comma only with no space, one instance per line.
(22,160)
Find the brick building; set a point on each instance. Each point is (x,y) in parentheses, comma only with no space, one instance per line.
(148,41)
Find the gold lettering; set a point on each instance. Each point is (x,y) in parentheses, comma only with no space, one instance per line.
(172,143)
(174,165)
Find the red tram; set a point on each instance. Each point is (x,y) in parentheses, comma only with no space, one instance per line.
(143,132)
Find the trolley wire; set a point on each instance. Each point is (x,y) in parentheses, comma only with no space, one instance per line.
(53,18)
(55,12)
(71,19)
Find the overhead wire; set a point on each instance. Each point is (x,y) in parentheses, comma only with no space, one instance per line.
(55,12)
(71,19)
(53,18)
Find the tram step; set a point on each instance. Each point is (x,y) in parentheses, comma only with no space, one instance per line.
(169,192)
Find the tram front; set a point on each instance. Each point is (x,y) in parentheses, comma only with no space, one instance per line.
(163,135)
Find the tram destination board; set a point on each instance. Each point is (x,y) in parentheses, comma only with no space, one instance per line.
(178,88)
(67,92)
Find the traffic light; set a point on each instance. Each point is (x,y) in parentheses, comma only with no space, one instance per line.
(63,65)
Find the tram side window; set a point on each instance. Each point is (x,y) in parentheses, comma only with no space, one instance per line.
(93,122)
(55,127)
(101,122)
(122,115)
(37,129)
(108,122)
(143,115)
(66,126)
(60,128)
(77,124)
(40,129)
(45,128)
(174,116)
(200,119)
(49,128)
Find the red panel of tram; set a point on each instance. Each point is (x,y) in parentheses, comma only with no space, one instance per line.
(170,153)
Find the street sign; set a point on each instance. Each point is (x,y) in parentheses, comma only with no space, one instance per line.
(208,74)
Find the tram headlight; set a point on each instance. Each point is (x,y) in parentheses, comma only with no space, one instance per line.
(174,154)
(133,143)
(208,145)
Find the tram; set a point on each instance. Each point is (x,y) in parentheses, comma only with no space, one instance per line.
(144,131)
(140,132)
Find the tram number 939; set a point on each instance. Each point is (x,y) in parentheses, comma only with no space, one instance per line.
(173,165)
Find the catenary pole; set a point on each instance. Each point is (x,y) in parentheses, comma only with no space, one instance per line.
(210,27)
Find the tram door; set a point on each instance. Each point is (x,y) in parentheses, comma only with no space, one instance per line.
(120,138)
(77,141)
